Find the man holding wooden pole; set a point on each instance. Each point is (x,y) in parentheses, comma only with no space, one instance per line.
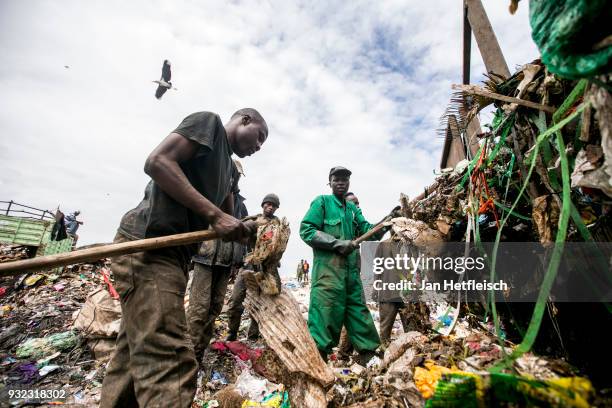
(191,170)
(336,296)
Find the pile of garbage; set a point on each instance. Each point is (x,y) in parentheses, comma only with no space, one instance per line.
(416,369)
(39,344)
(59,330)
(524,160)
(542,172)
(9,252)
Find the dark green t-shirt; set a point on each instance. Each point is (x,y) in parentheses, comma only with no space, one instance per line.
(210,172)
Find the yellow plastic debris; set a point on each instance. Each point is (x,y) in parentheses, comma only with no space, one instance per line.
(427,378)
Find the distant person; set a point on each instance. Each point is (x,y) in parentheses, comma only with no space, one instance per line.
(72,225)
(305,270)
(300,271)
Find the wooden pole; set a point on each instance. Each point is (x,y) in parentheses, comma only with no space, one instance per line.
(105,251)
(485,38)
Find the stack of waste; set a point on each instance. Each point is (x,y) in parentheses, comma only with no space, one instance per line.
(542,173)
(39,344)
(10,252)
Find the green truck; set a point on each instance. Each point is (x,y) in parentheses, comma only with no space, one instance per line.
(24,225)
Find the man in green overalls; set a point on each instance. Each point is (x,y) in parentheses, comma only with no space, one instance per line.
(336,296)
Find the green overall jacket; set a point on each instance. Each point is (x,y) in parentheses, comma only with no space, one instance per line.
(336,295)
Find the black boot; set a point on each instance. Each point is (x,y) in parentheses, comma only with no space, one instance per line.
(364,357)
(323,355)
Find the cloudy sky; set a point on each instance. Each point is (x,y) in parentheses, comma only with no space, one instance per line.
(360,84)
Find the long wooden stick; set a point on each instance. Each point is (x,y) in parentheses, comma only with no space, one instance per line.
(473,89)
(105,251)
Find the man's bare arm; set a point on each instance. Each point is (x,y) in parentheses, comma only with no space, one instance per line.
(162,166)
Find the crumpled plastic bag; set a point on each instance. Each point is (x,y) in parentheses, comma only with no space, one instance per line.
(253,387)
(276,399)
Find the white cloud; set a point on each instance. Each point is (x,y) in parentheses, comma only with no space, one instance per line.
(360,84)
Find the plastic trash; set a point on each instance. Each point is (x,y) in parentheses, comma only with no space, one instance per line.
(374,362)
(44,361)
(252,386)
(276,399)
(460,389)
(427,378)
(32,280)
(218,377)
(446,320)
(47,369)
(8,361)
(41,347)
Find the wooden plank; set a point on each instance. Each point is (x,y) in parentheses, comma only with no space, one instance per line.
(467,46)
(476,90)
(485,38)
(285,331)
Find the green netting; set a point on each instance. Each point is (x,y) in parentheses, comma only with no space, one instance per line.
(469,390)
(569,34)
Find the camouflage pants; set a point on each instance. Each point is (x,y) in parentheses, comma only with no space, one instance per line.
(154,363)
(205,303)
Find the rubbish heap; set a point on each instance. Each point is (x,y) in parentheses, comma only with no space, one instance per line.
(542,173)
(39,345)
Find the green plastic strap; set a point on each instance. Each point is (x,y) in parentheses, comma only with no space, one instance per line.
(570,101)
(551,272)
(540,122)
(553,266)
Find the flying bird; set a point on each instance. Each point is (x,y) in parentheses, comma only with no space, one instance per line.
(164,82)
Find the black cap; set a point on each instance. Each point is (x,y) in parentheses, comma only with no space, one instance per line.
(338,170)
(271,198)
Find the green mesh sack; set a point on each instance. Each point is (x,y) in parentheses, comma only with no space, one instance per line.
(570,35)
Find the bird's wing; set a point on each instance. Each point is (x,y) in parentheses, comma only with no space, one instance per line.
(166,73)
(160,91)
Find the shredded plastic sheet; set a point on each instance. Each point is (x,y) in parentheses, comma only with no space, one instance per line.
(458,389)
(570,35)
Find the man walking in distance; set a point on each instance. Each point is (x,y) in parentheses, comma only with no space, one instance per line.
(300,271)
(269,205)
(211,271)
(154,363)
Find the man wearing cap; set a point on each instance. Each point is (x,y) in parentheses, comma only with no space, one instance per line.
(211,272)
(190,189)
(336,295)
(269,205)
